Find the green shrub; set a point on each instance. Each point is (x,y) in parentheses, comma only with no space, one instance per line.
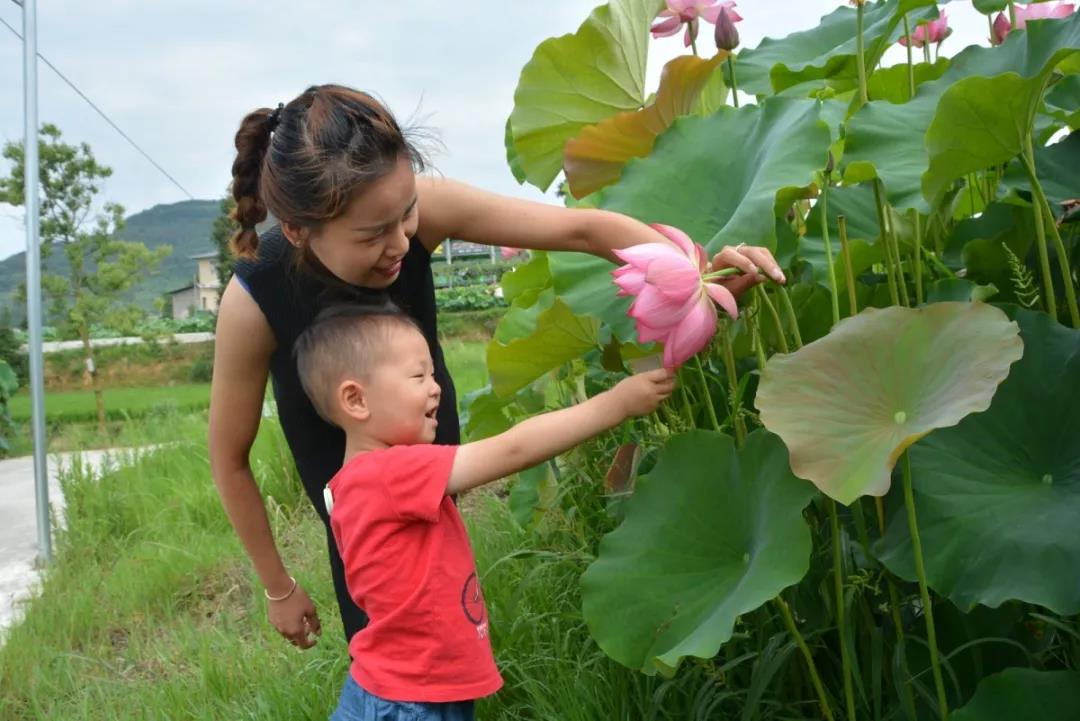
(471,297)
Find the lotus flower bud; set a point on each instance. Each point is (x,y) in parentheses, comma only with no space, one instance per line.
(1002,26)
(726,34)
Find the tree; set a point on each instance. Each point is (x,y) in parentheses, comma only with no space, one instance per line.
(102,269)
(225,226)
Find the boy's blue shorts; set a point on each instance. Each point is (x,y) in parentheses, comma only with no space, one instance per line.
(356,704)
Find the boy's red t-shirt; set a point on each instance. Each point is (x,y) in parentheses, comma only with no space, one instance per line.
(410,567)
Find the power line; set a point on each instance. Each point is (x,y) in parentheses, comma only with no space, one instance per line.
(101,112)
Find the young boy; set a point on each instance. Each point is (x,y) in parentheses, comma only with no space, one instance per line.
(425,653)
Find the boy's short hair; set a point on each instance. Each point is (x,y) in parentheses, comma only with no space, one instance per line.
(344,341)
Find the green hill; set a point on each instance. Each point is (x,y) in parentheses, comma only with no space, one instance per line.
(185,226)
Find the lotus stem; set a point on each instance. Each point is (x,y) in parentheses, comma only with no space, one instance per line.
(924,591)
(901,281)
(834,299)
(708,396)
(722,273)
(917,256)
(764,298)
(926,53)
(841,624)
(893,294)
(692,29)
(1040,234)
(1043,209)
(733,384)
(907,697)
(790,310)
(734,83)
(757,341)
(688,410)
(1012,14)
(910,63)
(789,622)
(849,272)
(860,60)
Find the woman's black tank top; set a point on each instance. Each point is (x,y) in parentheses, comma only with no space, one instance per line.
(291,297)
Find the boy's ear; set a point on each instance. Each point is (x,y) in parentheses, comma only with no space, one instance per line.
(352,400)
(295,234)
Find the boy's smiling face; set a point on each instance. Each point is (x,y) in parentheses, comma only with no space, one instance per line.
(400,393)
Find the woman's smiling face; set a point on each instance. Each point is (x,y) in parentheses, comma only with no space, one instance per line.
(365,245)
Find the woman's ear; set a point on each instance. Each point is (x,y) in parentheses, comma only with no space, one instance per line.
(295,234)
(352,400)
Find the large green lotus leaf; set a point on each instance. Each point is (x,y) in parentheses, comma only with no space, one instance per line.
(990,6)
(1056,166)
(1024,693)
(559,336)
(1063,101)
(9,382)
(997,497)
(980,122)
(577,80)
(596,156)
(760,158)
(856,204)
(888,141)
(584,283)
(826,52)
(893,84)
(711,533)
(722,178)
(849,404)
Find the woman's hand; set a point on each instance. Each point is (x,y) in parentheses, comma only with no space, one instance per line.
(756,263)
(295,618)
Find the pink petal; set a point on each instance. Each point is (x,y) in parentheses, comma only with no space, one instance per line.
(643,254)
(629,279)
(723,298)
(691,335)
(677,280)
(508,253)
(677,237)
(666,28)
(732,13)
(1041,11)
(656,310)
(648,334)
(679,7)
(686,36)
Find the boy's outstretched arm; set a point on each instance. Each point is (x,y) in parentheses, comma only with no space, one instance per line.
(546,436)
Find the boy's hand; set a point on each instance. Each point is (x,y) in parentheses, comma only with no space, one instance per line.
(642,393)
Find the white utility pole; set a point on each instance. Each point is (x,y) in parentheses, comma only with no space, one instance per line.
(33,277)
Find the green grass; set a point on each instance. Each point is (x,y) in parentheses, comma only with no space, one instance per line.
(466,362)
(79,406)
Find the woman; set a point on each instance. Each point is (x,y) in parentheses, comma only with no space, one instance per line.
(356,222)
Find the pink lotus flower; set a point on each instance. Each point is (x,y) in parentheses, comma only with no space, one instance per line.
(1033,11)
(932,33)
(680,12)
(510,253)
(673,303)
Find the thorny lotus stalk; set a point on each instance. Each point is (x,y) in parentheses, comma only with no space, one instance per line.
(924,591)
(1040,238)
(860,60)
(733,383)
(893,294)
(849,272)
(1044,216)
(917,222)
(838,592)
(815,679)
(764,299)
(789,309)
(833,297)
(910,64)
(707,396)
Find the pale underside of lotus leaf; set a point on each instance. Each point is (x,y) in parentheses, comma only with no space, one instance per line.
(849,404)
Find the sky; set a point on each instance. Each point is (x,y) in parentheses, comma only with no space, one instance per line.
(178,77)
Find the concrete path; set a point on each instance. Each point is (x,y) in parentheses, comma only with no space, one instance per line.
(18,525)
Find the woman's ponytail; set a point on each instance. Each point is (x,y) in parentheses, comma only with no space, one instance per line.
(252,142)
